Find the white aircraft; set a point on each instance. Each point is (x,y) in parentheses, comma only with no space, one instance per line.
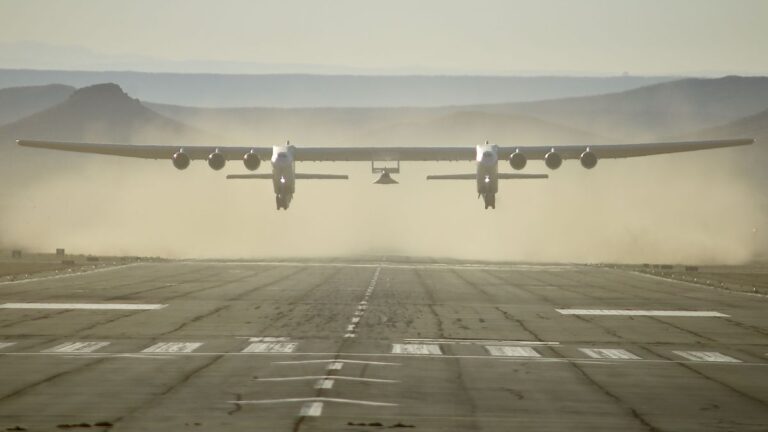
(486,156)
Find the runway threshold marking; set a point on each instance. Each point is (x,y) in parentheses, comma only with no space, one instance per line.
(77,347)
(271,347)
(508,351)
(89,306)
(173,347)
(629,312)
(707,356)
(605,353)
(416,349)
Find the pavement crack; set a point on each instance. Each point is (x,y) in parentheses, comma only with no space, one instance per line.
(519,322)
(635,414)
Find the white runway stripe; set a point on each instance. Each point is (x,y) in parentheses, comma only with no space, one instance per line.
(707,356)
(614,354)
(509,351)
(324,384)
(6,344)
(417,349)
(89,306)
(335,366)
(271,347)
(77,347)
(173,347)
(627,312)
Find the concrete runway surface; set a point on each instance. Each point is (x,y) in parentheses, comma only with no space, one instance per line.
(365,345)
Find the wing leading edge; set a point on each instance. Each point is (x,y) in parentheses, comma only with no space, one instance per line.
(405,154)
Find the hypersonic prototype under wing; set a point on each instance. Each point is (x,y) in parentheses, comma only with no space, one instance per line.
(486,156)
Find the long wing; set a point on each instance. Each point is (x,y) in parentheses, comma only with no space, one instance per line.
(615,151)
(602,151)
(147,151)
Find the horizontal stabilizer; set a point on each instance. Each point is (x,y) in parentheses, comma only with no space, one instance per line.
(250,176)
(322,177)
(501,176)
(297,176)
(509,176)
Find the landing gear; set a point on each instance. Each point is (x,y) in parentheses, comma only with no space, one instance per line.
(282,201)
(490,200)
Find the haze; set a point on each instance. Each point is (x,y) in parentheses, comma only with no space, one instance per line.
(656,37)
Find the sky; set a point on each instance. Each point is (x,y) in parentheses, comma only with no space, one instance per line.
(644,37)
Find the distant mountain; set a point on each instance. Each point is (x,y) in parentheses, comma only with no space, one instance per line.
(99,113)
(296,90)
(19,102)
(660,110)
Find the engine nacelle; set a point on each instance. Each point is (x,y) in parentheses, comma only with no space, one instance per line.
(517,160)
(216,160)
(251,161)
(553,160)
(180,160)
(588,159)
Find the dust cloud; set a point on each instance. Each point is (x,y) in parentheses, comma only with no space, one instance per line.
(695,208)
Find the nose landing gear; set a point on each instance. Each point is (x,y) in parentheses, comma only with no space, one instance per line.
(282,201)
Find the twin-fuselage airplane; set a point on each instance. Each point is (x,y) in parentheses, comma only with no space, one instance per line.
(486,156)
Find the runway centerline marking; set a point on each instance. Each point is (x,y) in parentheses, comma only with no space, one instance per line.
(332,377)
(508,351)
(271,347)
(6,344)
(339,361)
(88,306)
(630,312)
(173,347)
(313,399)
(77,347)
(351,330)
(416,349)
(613,354)
(311,409)
(324,383)
(479,341)
(707,356)
(335,366)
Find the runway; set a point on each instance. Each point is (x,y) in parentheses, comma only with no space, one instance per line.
(372,344)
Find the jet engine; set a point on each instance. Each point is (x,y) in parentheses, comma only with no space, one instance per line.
(588,159)
(553,159)
(251,161)
(517,160)
(180,160)
(216,160)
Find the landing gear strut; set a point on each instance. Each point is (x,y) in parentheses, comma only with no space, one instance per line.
(490,200)
(282,201)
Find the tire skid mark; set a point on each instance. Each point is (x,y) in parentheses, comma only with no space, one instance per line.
(197,318)
(474,285)
(49,379)
(60,312)
(184,379)
(692,369)
(519,322)
(682,329)
(263,285)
